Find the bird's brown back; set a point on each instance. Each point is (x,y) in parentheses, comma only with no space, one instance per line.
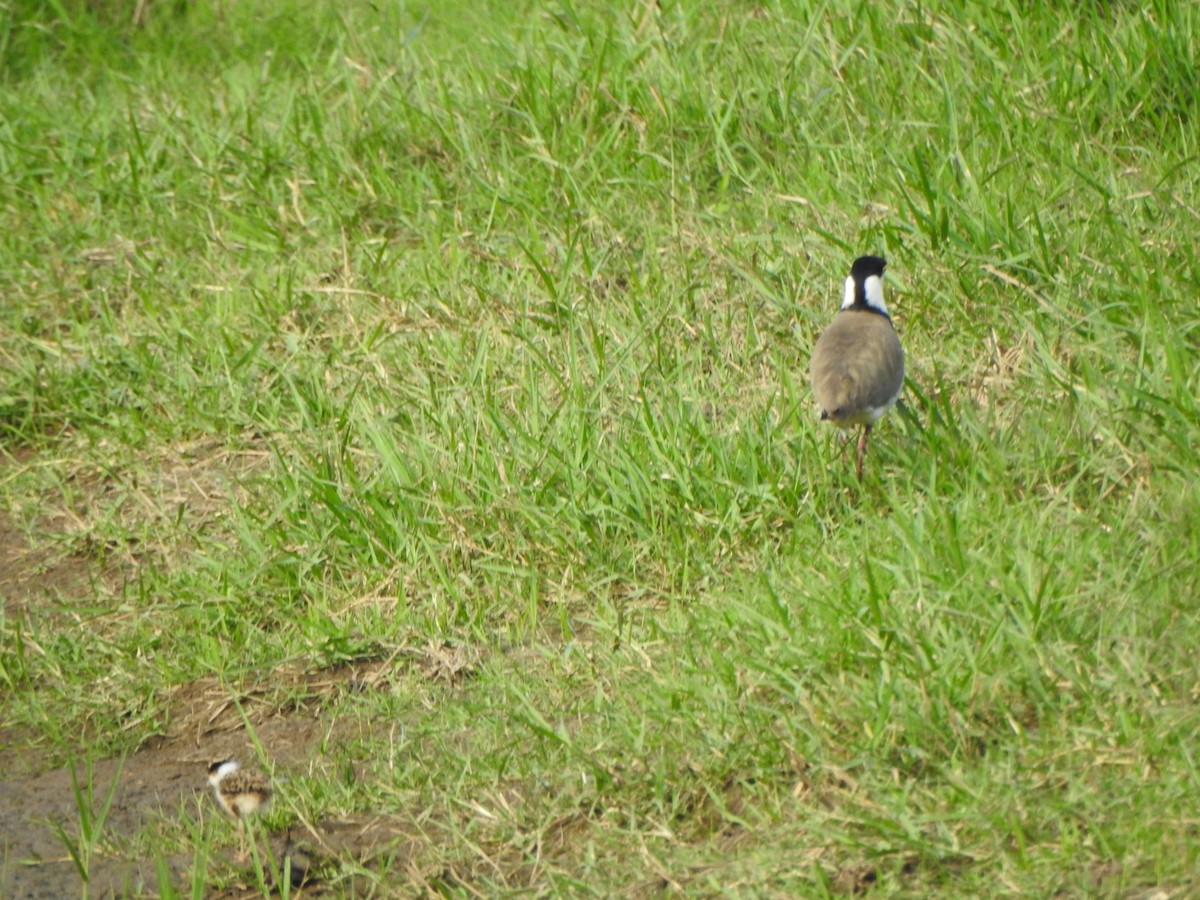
(255,786)
(857,344)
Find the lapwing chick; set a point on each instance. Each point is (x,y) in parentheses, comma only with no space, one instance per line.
(240,793)
(857,367)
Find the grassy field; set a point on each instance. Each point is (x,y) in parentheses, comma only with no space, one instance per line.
(411,398)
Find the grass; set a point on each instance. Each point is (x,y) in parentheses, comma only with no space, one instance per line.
(470,339)
(82,847)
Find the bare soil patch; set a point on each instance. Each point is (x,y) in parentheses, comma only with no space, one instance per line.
(166,779)
(29,575)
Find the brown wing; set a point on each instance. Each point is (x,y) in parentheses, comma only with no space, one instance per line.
(245,781)
(857,367)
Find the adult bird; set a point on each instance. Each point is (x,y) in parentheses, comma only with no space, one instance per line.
(857,367)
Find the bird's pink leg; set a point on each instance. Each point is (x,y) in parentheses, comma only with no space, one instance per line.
(862,448)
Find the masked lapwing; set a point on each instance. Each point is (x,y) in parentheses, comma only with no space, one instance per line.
(857,367)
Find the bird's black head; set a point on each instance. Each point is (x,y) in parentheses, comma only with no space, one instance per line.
(866,266)
(864,287)
(219,764)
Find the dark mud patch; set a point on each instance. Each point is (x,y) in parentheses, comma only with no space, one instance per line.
(150,789)
(165,783)
(37,863)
